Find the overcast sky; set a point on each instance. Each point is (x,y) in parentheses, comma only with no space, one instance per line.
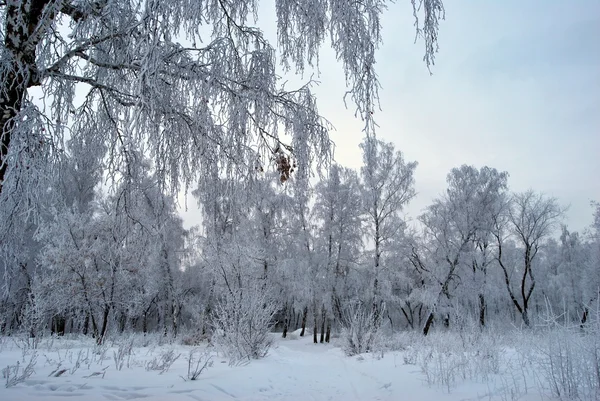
(516,86)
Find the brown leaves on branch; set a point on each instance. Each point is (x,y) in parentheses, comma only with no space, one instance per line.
(284,164)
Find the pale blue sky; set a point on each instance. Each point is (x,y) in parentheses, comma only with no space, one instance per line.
(516,86)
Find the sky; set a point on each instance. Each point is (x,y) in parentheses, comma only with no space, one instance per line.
(516,86)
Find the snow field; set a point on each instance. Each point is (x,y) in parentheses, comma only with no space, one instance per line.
(443,366)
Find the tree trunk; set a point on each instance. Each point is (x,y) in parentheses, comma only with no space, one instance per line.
(328,333)
(304,316)
(525,316)
(376,310)
(337,306)
(86,323)
(482,309)
(122,322)
(584,318)
(409,317)
(20,70)
(175,312)
(145,322)
(133,322)
(323,316)
(315,330)
(105,314)
(428,324)
(285,320)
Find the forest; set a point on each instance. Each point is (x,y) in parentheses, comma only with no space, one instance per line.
(314,255)
(111,111)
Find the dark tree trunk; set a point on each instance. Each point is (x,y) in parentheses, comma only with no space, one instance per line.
(482,309)
(428,324)
(285,320)
(20,71)
(105,314)
(323,317)
(584,318)
(525,315)
(86,324)
(175,311)
(408,316)
(304,316)
(122,322)
(376,310)
(145,322)
(315,330)
(328,333)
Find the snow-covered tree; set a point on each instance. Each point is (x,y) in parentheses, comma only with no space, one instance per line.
(457,229)
(590,276)
(114,259)
(194,82)
(529,220)
(191,85)
(387,186)
(339,215)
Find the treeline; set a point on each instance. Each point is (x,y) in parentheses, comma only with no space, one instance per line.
(96,261)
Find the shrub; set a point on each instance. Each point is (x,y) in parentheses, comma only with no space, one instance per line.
(568,359)
(242,321)
(198,362)
(361,333)
(15,374)
(163,362)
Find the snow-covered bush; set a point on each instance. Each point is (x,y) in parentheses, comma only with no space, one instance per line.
(568,359)
(15,374)
(123,354)
(362,331)
(163,362)
(447,358)
(198,362)
(242,321)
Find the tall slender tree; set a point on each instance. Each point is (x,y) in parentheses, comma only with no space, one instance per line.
(387,186)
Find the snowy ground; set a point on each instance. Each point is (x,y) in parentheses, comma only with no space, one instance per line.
(295,369)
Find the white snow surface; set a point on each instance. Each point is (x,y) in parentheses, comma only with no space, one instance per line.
(294,369)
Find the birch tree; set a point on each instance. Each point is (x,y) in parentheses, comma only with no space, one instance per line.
(193,81)
(456,234)
(388,185)
(338,211)
(529,220)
